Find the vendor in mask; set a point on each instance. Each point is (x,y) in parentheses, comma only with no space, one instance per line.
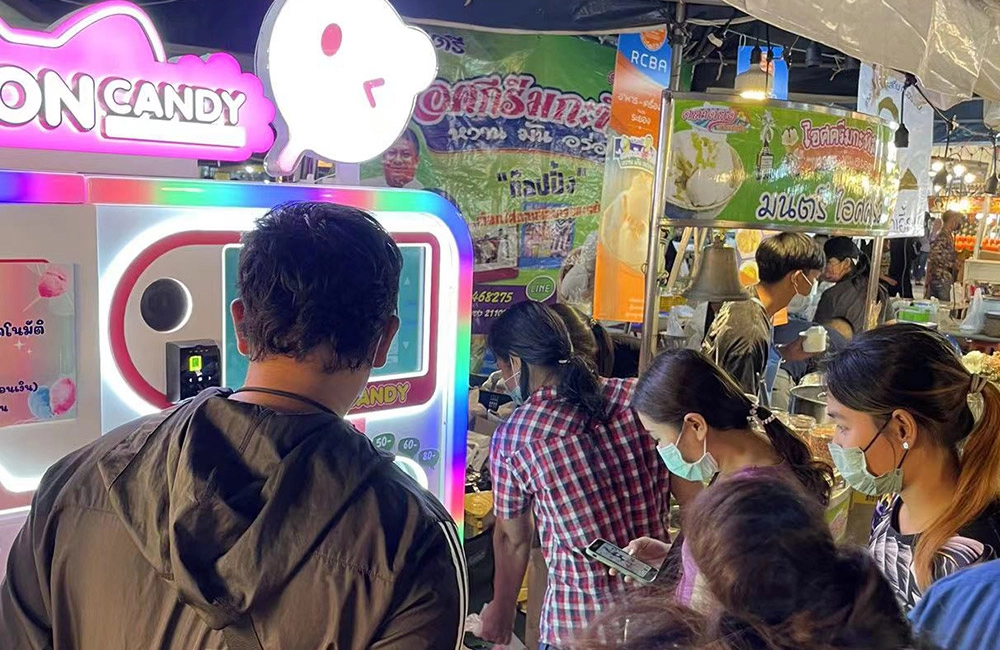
(915,426)
(740,338)
(848,269)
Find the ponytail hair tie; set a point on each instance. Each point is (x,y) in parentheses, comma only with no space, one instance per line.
(754,417)
(975,396)
(563,362)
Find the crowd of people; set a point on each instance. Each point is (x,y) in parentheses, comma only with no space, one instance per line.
(259,518)
(755,564)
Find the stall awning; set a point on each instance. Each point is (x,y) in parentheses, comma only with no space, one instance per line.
(554,16)
(952,46)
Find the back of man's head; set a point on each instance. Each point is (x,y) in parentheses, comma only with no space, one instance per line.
(317,280)
(786,253)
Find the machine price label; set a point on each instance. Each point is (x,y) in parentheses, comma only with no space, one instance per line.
(409,447)
(384,441)
(429,458)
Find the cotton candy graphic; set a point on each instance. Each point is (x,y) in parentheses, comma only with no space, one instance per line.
(38,404)
(62,396)
(53,282)
(344,76)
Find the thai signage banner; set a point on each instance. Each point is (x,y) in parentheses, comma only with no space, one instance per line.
(513,132)
(642,72)
(37,343)
(776,165)
(880,91)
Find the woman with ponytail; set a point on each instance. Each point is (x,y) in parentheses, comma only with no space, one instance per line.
(774,580)
(589,338)
(917,427)
(706,426)
(575,456)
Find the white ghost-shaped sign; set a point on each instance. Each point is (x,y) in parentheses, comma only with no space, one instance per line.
(344,76)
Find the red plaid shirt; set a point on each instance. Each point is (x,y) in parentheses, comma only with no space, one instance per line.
(581,483)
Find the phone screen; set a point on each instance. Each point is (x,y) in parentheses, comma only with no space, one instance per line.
(608,554)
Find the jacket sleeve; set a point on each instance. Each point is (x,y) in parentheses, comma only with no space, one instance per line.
(25,605)
(429,606)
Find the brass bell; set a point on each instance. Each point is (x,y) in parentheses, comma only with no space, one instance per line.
(717,278)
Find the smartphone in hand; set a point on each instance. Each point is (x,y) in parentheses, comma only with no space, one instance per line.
(618,559)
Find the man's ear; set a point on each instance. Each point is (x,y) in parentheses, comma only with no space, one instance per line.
(238,311)
(385,342)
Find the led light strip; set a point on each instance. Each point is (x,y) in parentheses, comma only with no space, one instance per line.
(40,188)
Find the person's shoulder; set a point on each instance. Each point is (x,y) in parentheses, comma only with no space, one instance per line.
(76,480)
(619,390)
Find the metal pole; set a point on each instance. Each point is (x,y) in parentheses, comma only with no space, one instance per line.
(651,304)
(981,229)
(871,317)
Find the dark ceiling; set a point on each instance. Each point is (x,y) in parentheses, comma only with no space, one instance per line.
(233,25)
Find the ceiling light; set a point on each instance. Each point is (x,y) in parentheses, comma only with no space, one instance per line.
(937,166)
(958,169)
(970,178)
(814,55)
(754,83)
(902,137)
(991,185)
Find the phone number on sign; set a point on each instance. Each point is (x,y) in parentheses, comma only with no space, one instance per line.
(487,313)
(493,297)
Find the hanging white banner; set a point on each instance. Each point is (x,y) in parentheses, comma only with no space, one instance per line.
(879,93)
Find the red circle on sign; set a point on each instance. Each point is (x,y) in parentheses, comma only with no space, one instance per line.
(332,37)
(654,39)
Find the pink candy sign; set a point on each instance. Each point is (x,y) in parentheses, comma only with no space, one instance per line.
(37,343)
(99,81)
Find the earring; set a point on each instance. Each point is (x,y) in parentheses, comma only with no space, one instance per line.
(906,446)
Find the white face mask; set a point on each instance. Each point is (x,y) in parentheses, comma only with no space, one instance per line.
(800,303)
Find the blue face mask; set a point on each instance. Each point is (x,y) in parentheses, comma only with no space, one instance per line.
(699,471)
(853,466)
(516,394)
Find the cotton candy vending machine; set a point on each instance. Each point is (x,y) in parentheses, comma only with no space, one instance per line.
(114,291)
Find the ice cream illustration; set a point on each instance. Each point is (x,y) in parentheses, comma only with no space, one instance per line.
(790,138)
(344,76)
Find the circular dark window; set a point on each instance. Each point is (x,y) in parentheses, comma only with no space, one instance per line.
(165,305)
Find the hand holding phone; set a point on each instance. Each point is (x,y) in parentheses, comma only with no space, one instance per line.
(621,561)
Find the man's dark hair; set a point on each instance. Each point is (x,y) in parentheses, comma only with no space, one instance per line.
(409,136)
(318,278)
(786,253)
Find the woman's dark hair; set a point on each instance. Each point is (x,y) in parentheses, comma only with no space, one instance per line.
(536,335)
(317,278)
(775,577)
(679,382)
(910,368)
(589,337)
